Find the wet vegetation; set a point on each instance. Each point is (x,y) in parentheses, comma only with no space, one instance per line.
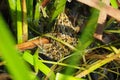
(59,40)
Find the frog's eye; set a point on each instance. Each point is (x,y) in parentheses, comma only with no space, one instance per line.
(77,29)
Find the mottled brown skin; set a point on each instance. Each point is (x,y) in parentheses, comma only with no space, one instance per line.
(64,30)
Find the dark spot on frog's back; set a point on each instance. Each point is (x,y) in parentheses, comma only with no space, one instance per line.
(66,21)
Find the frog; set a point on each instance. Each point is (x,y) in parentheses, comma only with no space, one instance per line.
(64,30)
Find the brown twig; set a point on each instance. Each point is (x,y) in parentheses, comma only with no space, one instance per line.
(45,2)
(101,21)
(32,43)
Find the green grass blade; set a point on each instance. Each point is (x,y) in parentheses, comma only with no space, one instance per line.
(59,5)
(14,62)
(12,4)
(37,11)
(29,6)
(66,77)
(85,39)
(19,23)
(59,40)
(42,67)
(113,31)
(35,60)
(13,12)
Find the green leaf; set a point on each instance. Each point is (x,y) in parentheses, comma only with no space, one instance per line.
(14,62)
(42,67)
(35,60)
(13,13)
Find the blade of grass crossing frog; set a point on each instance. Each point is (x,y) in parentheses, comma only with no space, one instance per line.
(85,39)
(59,7)
(15,64)
(42,67)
